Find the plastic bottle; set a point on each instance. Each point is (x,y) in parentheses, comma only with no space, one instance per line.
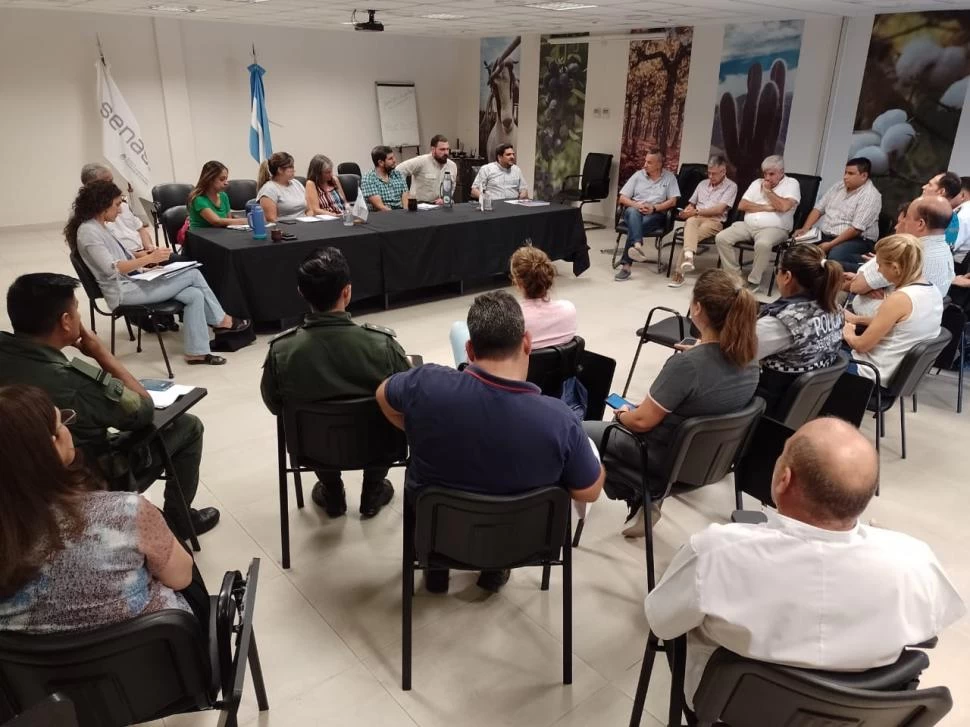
(447,189)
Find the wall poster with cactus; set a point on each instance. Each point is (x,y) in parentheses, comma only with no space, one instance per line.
(562,103)
(656,90)
(913,90)
(754,95)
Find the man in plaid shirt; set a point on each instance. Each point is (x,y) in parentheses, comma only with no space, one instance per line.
(383,186)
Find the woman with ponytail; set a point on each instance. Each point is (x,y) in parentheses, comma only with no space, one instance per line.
(280,195)
(802,330)
(718,375)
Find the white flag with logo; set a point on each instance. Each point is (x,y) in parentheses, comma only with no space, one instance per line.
(360,206)
(121,142)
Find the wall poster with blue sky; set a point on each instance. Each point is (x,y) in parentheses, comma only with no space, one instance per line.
(756,84)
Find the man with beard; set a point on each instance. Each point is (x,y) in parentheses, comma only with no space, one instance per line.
(383,186)
(428,171)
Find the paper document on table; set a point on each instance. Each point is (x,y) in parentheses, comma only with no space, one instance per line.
(811,235)
(308,219)
(162,399)
(166,271)
(325,218)
(527,202)
(247,227)
(427,206)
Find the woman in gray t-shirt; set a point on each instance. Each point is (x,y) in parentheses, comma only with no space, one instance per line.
(280,195)
(718,375)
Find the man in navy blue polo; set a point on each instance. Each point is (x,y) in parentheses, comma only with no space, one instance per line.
(486,429)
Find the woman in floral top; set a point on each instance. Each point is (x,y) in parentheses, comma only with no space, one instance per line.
(73,556)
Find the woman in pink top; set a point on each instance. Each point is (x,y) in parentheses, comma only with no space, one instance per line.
(549,322)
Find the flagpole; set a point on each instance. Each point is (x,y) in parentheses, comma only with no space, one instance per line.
(100,51)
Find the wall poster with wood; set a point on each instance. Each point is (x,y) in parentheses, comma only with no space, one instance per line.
(656,90)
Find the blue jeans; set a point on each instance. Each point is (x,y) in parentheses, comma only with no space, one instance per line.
(637,224)
(202,308)
(459,337)
(849,253)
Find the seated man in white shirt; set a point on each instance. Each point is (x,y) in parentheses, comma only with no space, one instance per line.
(769,212)
(501,179)
(428,171)
(128,228)
(813,587)
(925,218)
(847,216)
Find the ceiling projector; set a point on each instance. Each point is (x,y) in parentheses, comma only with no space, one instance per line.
(371,25)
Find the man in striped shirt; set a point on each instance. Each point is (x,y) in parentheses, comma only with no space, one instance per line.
(926,218)
(847,216)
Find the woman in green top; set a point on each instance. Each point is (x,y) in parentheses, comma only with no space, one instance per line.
(208,203)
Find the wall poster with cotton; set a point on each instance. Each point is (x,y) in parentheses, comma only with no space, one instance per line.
(913,90)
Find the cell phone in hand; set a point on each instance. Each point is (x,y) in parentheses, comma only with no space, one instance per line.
(615,401)
(688,342)
(156,384)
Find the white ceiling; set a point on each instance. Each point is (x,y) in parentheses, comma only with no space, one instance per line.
(495,17)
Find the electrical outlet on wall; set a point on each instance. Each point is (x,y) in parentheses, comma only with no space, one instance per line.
(606,113)
(598,113)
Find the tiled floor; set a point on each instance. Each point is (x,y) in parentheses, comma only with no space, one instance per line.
(329,628)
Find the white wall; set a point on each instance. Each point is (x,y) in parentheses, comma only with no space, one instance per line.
(186,82)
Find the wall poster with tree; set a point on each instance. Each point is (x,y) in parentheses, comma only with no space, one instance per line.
(913,90)
(656,90)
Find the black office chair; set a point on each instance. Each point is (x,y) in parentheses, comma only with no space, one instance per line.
(701,451)
(172,221)
(955,321)
(350,184)
(55,711)
(301,180)
(239,192)
(147,311)
(743,692)
(593,185)
(808,185)
(666,332)
(909,374)
(165,196)
(550,366)
(349,168)
(144,669)
(808,393)
(349,434)
(448,528)
(689,176)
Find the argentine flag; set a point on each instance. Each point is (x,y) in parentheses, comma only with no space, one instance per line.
(260,144)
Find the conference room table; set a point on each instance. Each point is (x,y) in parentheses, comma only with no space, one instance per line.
(393,252)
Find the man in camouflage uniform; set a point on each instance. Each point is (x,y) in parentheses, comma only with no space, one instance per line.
(331,357)
(44,312)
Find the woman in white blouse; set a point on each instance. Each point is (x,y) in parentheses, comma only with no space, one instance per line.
(280,195)
(87,234)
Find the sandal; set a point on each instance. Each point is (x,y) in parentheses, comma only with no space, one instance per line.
(209,360)
(238,324)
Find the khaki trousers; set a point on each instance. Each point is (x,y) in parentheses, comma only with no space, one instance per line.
(764,240)
(696,229)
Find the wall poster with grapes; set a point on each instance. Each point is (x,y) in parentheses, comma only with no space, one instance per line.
(562,102)
(913,90)
(756,84)
(498,109)
(656,90)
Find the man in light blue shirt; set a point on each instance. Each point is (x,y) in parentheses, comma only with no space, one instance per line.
(645,198)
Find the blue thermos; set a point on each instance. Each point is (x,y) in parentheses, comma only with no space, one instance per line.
(257,221)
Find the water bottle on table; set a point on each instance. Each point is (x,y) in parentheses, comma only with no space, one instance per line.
(486,198)
(447,189)
(257,221)
(347,216)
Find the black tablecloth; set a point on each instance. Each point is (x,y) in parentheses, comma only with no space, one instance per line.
(394,252)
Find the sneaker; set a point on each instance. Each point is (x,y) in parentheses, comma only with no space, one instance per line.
(331,498)
(436,581)
(622,274)
(636,253)
(676,280)
(493,580)
(635,527)
(374,497)
(688,265)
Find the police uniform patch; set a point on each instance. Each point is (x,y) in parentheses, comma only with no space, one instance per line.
(380,329)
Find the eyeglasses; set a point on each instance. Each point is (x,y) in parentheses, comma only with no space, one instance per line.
(68,416)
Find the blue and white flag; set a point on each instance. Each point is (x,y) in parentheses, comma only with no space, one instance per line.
(260,144)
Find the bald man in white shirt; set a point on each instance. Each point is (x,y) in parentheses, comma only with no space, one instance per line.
(812,587)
